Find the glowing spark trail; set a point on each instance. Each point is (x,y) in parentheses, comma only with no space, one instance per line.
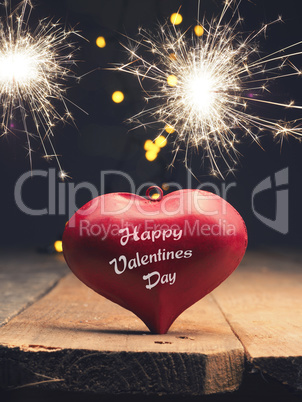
(34,67)
(204,87)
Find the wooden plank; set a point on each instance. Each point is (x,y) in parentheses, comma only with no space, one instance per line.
(75,340)
(25,277)
(262,301)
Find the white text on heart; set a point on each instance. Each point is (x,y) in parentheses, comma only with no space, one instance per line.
(152,235)
(154,278)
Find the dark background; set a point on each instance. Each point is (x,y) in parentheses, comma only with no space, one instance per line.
(103,140)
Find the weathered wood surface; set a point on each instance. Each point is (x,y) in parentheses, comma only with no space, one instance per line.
(262,301)
(24,278)
(73,339)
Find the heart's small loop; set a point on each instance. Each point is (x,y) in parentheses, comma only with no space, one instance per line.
(154,193)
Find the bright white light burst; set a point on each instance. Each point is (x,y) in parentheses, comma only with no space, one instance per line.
(34,67)
(205,87)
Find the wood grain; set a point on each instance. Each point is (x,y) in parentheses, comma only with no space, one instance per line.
(74,339)
(24,278)
(262,301)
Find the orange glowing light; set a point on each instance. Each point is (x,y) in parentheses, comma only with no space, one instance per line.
(172,80)
(169,129)
(176,19)
(118,96)
(101,42)
(151,156)
(58,245)
(161,141)
(198,29)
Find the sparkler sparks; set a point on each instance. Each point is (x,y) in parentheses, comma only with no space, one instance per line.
(205,87)
(34,67)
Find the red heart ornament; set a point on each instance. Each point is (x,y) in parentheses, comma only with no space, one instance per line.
(155,257)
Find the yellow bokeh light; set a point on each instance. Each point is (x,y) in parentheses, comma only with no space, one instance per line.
(172,80)
(169,129)
(148,145)
(176,18)
(199,31)
(155,196)
(161,141)
(58,245)
(101,42)
(118,97)
(151,146)
(151,156)
(165,186)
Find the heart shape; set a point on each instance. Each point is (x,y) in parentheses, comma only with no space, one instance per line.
(155,257)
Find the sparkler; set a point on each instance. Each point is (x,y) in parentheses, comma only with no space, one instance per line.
(204,88)
(34,67)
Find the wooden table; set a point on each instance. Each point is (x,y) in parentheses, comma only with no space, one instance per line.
(57,335)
